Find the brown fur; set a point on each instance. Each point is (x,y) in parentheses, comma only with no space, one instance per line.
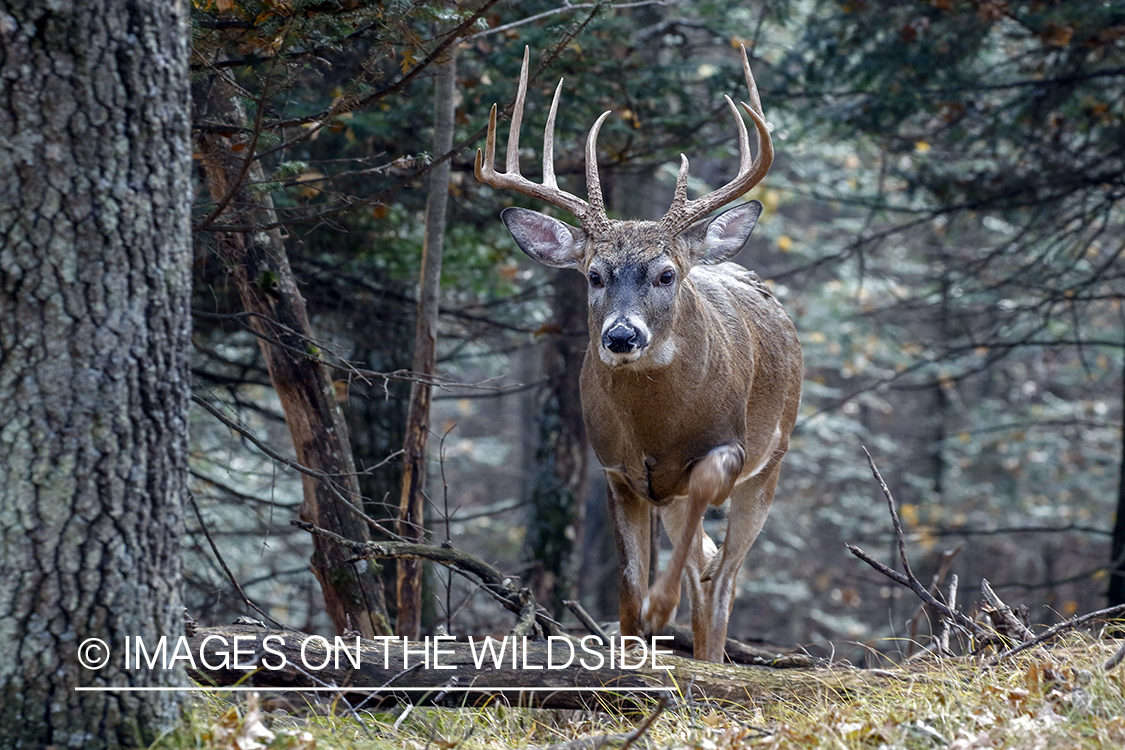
(735,377)
(691,384)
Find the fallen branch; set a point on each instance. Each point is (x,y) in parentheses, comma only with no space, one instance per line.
(908,579)
(391,670)
(587,621)
(1007,627)
(1002,615)
(1062,627)
(947,559)
(743,653)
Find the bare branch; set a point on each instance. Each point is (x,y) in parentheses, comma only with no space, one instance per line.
(1011,623)
(566,7)
(223,564)
(908,578)
(492,580)
(584,617)
(1062,627)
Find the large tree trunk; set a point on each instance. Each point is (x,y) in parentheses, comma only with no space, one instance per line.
(94,350)
(412,501)
(259,266)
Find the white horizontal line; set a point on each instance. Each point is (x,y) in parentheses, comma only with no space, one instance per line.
(437,689)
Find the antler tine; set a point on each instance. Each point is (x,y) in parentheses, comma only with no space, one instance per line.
(750,171)
(593,181)
(591,215)
(512,160)
(752,89)
(549,141)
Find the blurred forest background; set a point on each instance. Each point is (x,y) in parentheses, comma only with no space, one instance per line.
(944,223)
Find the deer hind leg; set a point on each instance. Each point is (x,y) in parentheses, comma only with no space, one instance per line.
(750,504)
(710,483)
(630,518)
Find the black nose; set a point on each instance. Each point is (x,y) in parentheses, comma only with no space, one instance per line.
(621,338)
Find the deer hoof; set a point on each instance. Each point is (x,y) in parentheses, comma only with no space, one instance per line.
(658,607)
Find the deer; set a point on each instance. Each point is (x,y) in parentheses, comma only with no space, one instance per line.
(691,382)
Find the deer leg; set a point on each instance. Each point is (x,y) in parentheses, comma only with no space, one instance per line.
(750,504)
(702,551)
(629,517)
(710,483)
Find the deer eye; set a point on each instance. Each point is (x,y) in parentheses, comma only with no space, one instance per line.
(595,278)
(666,278)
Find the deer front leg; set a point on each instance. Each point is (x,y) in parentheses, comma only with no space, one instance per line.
(700,555)
(750,504)
(711,481)
(629,517)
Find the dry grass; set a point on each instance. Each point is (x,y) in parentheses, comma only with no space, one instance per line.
(1043,700)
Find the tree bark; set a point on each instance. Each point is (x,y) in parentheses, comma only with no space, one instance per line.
(293,660)
(412,501)
(94,356)
(259,267)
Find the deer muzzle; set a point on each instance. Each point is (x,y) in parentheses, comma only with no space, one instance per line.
(622,337)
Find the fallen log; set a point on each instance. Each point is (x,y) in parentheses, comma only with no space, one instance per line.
(558,673)
(740,652)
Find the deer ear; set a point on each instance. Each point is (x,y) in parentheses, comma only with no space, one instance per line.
(714,240)
(548,240)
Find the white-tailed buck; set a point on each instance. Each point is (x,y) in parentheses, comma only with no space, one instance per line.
(692,380)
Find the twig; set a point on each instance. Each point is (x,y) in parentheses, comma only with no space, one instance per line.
(908,578)
(492,580)
(943,635)
(584,617)
(339,363)
(947,559)
(894,515)
(914,585)
(223,564)
(297,466)
(1022,631)
(661,704)
(565,8)
(1116,659)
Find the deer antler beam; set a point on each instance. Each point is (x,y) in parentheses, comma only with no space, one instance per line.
(683,211)
(591,215)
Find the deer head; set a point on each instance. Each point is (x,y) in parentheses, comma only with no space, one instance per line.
(634,268)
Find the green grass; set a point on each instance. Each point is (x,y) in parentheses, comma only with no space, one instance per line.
(1053,699)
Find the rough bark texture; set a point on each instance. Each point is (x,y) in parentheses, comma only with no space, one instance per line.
(382,666)
(94,346)
(558,490)
(259,266)
(412,501)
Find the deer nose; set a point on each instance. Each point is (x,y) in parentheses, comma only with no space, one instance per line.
(622,338)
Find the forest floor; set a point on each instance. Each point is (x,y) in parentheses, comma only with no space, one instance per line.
(1045,699)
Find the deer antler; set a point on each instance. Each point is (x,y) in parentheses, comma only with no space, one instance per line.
(590,214)
(683,212)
